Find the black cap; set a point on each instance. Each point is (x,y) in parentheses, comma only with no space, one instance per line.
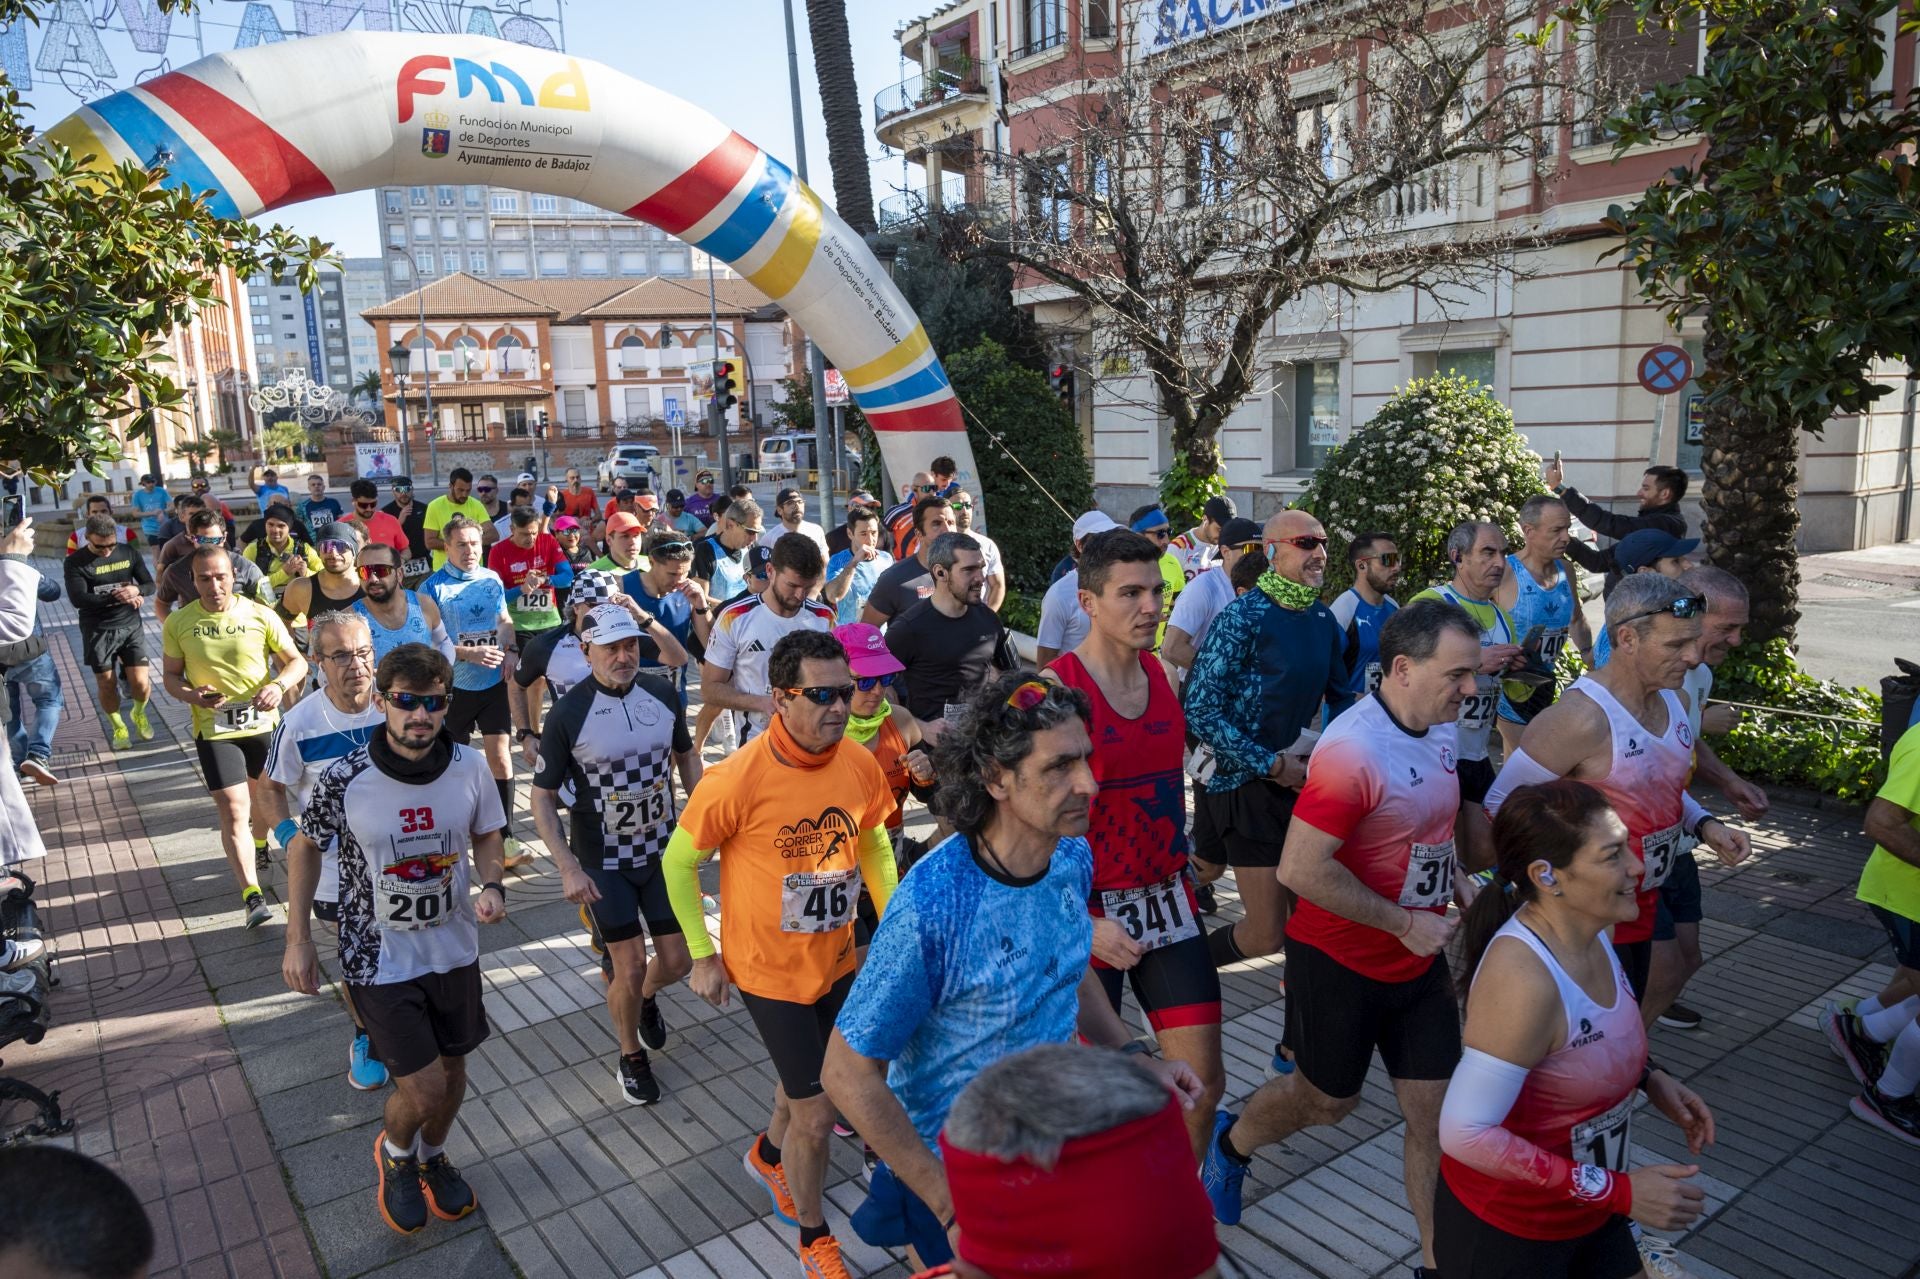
(676,498)
(757,560)
(148,479)
(1220,509)
(400,482)
(781,498)
(1238,532)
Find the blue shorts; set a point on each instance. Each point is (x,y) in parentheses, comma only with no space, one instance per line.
(894,1217)
(1679,899)
(1904,933)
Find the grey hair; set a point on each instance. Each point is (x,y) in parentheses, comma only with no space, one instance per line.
(1027,1106)
(102,526)
(1414,631)
(336,618)
(1638,596)
(744,511)
(1719,586)
(340,531)
(1460,541)
(940,553)
(459,524)
(992,737)
(1536,506)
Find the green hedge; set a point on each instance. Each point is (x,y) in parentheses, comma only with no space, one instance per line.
(1838,759)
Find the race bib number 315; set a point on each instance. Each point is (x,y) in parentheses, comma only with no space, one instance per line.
(1429,875)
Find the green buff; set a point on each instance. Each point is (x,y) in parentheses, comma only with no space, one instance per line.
(1286,592)
(861,728)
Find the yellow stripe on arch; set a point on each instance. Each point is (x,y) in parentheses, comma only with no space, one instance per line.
(911,348)
(790,261)
(88,147)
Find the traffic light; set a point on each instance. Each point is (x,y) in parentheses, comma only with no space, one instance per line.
(540,425)
(724,386)
(1060,378)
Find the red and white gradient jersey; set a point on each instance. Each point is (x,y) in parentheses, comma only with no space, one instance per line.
(1575,1106)
(1389,796)
(1646,785)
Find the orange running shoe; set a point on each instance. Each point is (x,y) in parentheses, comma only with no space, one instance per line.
(821,1259)
(774,1178)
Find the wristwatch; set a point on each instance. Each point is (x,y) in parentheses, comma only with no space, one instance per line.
(522,734)
(496,886)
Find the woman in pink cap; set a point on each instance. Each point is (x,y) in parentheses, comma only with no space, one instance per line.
(889,731)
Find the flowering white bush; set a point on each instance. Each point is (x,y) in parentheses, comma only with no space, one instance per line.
(1441,451)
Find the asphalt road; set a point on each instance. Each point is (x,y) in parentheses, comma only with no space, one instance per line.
(1855,641)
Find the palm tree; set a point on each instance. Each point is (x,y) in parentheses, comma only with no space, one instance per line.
(840,107)
(369,386)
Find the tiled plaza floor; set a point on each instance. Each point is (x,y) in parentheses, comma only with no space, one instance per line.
(223,1097)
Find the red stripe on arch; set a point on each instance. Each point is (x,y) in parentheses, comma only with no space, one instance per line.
(278,171)
(694,194)
(941,415)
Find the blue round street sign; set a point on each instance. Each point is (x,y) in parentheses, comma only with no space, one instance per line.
(1665,369)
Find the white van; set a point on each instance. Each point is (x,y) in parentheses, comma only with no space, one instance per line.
(777,455)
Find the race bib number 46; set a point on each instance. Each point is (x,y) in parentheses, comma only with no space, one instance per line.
(1429,875)
(1154,916)
(818,901)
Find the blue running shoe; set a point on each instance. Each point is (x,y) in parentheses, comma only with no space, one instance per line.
(363,1072)
(1222,1176)
(1280,1065)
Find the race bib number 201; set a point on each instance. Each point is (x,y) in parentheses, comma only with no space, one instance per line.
(416,888)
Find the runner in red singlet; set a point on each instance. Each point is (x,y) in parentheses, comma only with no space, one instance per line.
(1536,1126)
(1146,920)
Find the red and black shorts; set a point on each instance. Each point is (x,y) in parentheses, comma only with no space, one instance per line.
(1177,984)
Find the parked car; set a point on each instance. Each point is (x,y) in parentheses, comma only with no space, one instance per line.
(633,463)
(776,455)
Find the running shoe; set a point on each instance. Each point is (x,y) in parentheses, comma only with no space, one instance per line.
(142,726)
(1662,1259)
(1680,1017)
(1898,1116)
(1221,1176)
(448,1193)
(821,1259)
(363,1072)
(840,1129)
(263,857)
(18,952)
(774,1179)
(517,854)
(637,1083)
(403,1202)
(595,942)
(1280,1065)
(1865,1056)
(37,772)
(653,1028)
(1209,905)
(257,910)
(869,1160)
(118,728)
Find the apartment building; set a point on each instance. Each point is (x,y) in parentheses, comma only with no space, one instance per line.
(1557,338)
(296,330)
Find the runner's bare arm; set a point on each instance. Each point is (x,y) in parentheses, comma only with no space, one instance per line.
(717,689)
(489,865)
(1178,647)
(857,1086)
(1891,827)
(690,769)
(575,884)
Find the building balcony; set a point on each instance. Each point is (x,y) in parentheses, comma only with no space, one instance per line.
(931,106)
(911,208)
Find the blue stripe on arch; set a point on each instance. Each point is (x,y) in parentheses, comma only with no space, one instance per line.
(146,134)
(924,383)
(749,221)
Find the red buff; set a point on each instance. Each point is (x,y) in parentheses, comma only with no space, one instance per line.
(1125,1201)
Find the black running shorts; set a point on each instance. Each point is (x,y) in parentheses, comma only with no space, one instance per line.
(1336,1017)
(414,1023)
(629,896)
(1476,779)
(796,1035)
(1468,1248)
(1249,822)
(1176,985)
(482,708)
(231,761)
(124,645)
(1636,960)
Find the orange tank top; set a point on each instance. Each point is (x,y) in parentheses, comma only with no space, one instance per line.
(890,752)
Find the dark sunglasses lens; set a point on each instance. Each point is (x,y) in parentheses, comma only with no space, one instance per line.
(1389,561)
(868,683)
(432,703)
(376,570)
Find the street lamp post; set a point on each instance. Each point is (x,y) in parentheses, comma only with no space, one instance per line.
(426,374)
(398,358)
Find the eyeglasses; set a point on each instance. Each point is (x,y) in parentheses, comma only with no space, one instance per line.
(218,539)
(486,488)
(867,683)
(1389,559)
(756,531)
(1245,548)
(1028,695)
(823,695)
(365,503)
(370,571)
(401,488)
(926,488)
(332,547)
(1164,530)
(1305,542)
(351,657)
(1685,608)
(431,703)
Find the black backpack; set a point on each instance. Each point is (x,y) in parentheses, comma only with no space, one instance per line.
(1898,693)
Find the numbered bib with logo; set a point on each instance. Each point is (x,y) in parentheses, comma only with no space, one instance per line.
(1153,916)
(417,568)
(626,813)
(238,717)
(1551,643)
(1476,712)
(1602,1140)
(478,639)
(950,711)
(1660,849)
(1374,676)
(419,885)
(1200,763)
(1429,875)
(818,901)
(537,600)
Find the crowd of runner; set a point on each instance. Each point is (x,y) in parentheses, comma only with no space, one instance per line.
(1500,915)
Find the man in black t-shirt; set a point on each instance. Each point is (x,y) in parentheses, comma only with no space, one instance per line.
(910,580)
(412,516)
(107,580)
(950,643)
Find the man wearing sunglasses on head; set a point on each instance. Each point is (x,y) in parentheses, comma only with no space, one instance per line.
(394,614)
(414,823)
(667,591)
(416,561)
(995,595)
(799,819)
(204,529)
(310,737)
(1625,730)
(1363,608)
(617,737)
(334,587)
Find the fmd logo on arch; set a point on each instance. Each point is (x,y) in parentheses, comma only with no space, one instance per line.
(563,90)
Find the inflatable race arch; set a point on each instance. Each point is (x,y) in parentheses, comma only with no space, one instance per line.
(272,125)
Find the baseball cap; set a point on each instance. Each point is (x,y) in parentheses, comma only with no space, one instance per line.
(676,498)
(1092,522)
(863,498)
(591,586)
(1639,549)
(1239,531)
(647,502)
(607,623)
(784,496)
(565,524)
(526,477)
(624,522)
(867,651)
(757,560)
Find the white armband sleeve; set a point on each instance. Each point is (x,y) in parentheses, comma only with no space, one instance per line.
(1692,812)
(1521,769)
(443,641)
(1480,1096)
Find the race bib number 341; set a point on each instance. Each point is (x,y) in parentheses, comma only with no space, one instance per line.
(1155,916)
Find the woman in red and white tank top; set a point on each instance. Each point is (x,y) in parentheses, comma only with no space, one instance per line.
(1536,1127)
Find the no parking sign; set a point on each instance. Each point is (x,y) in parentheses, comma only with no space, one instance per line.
(1665,369)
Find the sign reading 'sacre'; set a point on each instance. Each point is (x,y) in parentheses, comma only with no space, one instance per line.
(1165,24)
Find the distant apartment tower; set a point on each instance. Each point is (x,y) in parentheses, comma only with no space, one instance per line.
(295,330)
(364,286)
(506,235)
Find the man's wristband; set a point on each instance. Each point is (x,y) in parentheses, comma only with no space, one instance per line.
(496,886)
(522,734)
(1137,1048)
(284,831)
(1701,825)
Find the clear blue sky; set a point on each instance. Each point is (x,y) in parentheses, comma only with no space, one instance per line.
(728,56)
